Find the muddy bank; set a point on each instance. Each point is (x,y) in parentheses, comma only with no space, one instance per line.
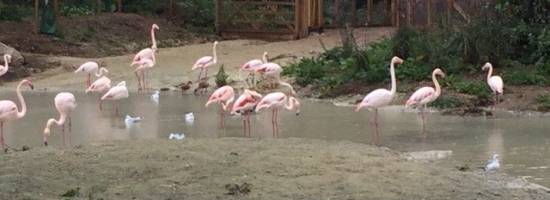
(231,168)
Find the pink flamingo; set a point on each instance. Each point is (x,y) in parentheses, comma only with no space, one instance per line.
(100,86)
(272,72)
(495,83)
(7,60)
(147,53)
(206,61)
(224,96)
(120,91)
(65,103)
(245,105)
(380,98)
(91,68)
(251,66)
(426,95)
(144,64)
(275,101)
(9,110)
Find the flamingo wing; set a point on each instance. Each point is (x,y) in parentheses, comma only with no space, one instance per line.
(421,96)
(7,108)
(203,62)
(87,67)
(270,100)
(252,65)
(115,93)
(146,53)
(496,84)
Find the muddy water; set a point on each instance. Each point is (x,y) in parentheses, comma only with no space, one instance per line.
(521,141)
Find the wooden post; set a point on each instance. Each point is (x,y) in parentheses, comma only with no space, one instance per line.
(353,13)
(56,8)
(218,9)
(413,12)
(98,6)
(336,12)
(369,11)
(392,13)
(321,14)
(297,19)
(398,12)
(449,10)
(36,20)
(409,12)
(119,9)
(387,10)
(429,12)
(171,7)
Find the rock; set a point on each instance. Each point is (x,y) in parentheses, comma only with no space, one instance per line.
(16,58)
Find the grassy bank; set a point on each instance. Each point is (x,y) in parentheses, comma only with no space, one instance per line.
(232,168)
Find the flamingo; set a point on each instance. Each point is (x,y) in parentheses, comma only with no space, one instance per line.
(204,62)
(245,105)
(9,110)
(380,98)
(120,91)
(426,95)
(271,71)
(224,96)
(251,66)
(144,64)
(91,68)
(147,53)
(100,86)
(275,101)
(495,82)
(65,103)
(7,60)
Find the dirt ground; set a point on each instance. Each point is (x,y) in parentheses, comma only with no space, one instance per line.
(237,168)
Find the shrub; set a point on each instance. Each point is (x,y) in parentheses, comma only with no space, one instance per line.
(446,101)
(476,88)
(221,77)
(14,12)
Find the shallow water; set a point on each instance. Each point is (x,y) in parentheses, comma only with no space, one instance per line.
(520,141)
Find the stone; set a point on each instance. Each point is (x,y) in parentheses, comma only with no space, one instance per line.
(16,58)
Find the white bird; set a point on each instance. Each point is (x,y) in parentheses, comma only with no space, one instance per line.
(189,118)
(91,68)
(492,164)
(130,120)
(495,82)
(176,136)
(7,60)
(155,97)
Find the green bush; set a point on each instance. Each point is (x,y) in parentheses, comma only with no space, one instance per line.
(476,88)
(14,12)
(446,101)
(543,102)
(221,77)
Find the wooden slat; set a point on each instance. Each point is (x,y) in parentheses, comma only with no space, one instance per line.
(429,12)
(36,21)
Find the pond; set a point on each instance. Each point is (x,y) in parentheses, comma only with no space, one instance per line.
(521,141)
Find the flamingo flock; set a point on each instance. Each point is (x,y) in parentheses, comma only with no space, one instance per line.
(246,103)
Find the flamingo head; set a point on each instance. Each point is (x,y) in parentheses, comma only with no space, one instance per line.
(155,27)
(296,105)
(360,106)
(216,43)
(486,66)
(45,135)
(8,58)
(121,83)
(397,60)
(29,83)
(439,72)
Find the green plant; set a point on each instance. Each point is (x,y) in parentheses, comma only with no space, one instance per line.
(14,12)
(447,101)
(221,77)
(476,88)
(543,102)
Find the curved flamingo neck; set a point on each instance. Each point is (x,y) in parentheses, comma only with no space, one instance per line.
(23,110)
(214,52)
(101,71)
(264,58)
(436,83)
(490,72)
(227,105)
(59,122)
(393,81)
(154,47)
(6,63)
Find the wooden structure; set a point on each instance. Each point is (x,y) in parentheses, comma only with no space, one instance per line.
(268,19)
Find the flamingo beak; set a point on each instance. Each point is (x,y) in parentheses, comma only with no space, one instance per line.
(31,86)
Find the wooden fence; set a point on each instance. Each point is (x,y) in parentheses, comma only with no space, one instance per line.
(268,19)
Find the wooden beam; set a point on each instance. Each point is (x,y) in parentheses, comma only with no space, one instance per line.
(409,12)
(449,10)
(171,7)
(413,12)
(321,14)
(369,11)
(98,6)
(56,9)
(461,11)
(119,9)
(392,13)
(36,20)
(429,12)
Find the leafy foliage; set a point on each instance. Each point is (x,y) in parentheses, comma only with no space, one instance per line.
(14,12)
(221,77)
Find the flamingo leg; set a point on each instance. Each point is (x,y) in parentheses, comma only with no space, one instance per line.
(377,127)
(88,81)
(70,131)
(248,124)
(143,80)
(139,80)
(63,133)
(244,126)
(116,109)
(200,74)
(2,137)
(423,113)
(273,121)
(221,116)
(100,103)
(277,121)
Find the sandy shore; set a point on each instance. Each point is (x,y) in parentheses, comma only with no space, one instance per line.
(236,168)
